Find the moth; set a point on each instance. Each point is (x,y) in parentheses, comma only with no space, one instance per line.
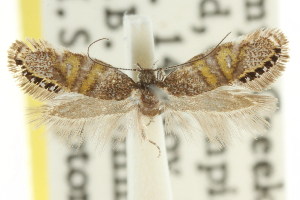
(216,92)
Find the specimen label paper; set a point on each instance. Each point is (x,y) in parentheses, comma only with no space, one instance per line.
(249,169)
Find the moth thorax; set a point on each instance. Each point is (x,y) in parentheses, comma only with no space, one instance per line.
(147,77)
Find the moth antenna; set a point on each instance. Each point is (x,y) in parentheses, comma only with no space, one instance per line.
(155,62)
(102,63)
(186,63)
(139,66)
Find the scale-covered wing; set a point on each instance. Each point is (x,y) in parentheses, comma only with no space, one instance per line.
(254,62)
(220,113)
(44,72)
(72,115)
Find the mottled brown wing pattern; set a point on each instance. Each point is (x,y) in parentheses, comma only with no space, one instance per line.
(263,55)
(213,92)
(83,97)
(44,72)
(254,62)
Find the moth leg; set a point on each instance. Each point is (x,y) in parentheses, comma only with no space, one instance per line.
(150,121)
(139,66)
(151,142)
(158,148)
(160,76)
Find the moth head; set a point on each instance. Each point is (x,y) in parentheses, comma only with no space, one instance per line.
(147,76)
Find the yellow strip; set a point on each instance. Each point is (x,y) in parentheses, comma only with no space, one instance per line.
(206,72)
(74,61)
(221,58)
(31,27)
(210,77)
(91,78)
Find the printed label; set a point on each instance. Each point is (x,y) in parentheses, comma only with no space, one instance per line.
(248,169)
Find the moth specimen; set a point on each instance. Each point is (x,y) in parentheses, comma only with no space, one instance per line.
(213,93)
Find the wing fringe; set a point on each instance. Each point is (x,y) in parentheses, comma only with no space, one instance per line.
(18,51)
(222,127)
(267,78)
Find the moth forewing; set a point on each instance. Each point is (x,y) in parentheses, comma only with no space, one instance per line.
(264,54)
